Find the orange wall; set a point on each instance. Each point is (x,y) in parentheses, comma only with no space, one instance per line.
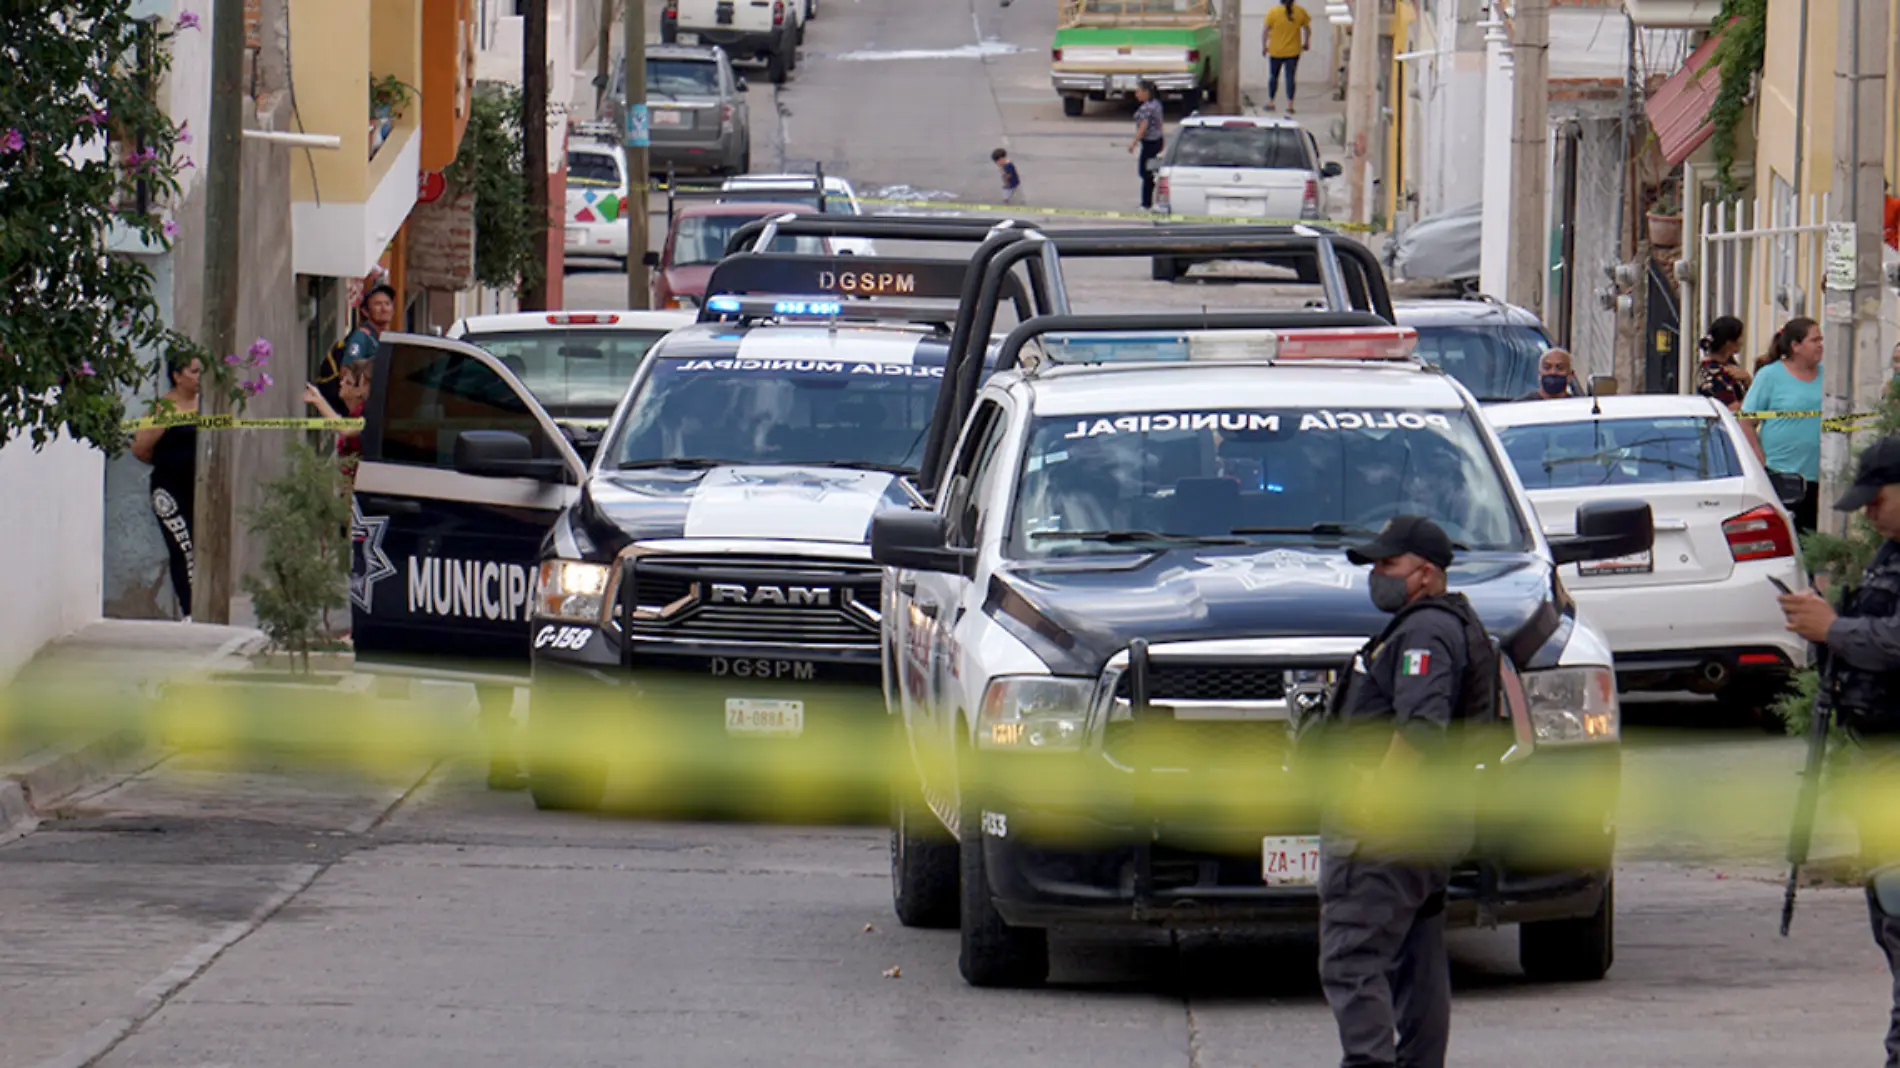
(448,78)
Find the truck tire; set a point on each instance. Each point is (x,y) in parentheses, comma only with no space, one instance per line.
(775,67)
(558,780)
(1579,950)
(923,863)
(993,954)
(1165,269)
(811,9)
(1072,106)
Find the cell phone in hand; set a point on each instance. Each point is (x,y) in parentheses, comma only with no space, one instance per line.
(1780,585)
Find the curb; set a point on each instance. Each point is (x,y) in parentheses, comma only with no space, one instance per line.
(29,788)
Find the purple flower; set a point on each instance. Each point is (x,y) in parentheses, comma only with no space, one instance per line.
(141,159)
(233,360)
(260,352)
(96,117)
(184,132)
(12,142)
(185,163)
(85,367)
(170,229)
(265,380)
(187,20)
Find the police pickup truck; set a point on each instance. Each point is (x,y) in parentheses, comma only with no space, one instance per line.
(1138,534)
(712,556)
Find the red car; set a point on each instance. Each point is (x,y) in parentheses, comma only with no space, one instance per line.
(696,241)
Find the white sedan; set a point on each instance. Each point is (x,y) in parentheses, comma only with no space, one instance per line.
(1698,610)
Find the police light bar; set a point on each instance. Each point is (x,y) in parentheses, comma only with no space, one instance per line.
(582,319)
(825,308)
(1234,346)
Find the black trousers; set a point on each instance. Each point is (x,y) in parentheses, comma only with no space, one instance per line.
(1276,64)
(172,509)
(1383,964)
(1149,150)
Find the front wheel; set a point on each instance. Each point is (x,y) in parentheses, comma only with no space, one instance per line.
(1072,106)
(923,863)
(994,954)
(1579,950)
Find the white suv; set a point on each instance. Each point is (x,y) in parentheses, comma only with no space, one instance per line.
(765,30)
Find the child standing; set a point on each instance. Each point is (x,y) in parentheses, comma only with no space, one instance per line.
(1012,181)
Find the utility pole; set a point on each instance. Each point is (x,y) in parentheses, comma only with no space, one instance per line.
(1229,95)
(634,111)
(1494,244)
(1856,371)
(534,137)
(1530,142)
(604,56)
(1362,102)
(211,536)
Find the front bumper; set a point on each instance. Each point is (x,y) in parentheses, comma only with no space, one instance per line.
(1052,863)
(596,239)
(1105,85)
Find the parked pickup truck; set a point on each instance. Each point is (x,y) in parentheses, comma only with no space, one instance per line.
(1103,49)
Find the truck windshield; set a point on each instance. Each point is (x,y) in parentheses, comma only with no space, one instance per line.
(780,411)
(574,374)
(1496,363)
(1096,483)
(1243,145)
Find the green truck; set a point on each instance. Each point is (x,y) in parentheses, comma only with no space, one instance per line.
(1104,48)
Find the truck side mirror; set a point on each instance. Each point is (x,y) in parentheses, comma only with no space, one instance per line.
(917,541)
(1605,531)
(504,454)
(1331,170)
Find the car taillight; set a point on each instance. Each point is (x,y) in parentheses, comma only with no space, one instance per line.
(588,319)
(1055,54)
(778,12)
(726,111)
(1194,55)
(1759,534)
(1161,188)
(1309,208)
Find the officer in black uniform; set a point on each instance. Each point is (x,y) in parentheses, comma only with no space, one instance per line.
(1863,645)
(1382,888)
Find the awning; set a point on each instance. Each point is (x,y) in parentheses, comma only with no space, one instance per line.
(1679,110)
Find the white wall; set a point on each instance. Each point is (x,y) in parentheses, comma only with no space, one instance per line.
(52,538)
(1317,72)
(498,57)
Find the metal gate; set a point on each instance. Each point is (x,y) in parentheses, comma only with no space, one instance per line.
(1760,262)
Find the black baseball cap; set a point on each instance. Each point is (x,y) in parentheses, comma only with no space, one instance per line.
(1879,466)
(380,287)
(1406,534)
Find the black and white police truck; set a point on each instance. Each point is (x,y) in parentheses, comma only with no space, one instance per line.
(712,557)
(1139,533)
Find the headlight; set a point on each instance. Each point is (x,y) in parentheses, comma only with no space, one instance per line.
(1573,706)
(1035,713)
(570,589)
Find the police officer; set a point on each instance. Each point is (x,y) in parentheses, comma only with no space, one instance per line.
(1382,889)
(1863,645)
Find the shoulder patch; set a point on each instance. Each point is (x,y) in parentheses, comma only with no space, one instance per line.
(1415,662)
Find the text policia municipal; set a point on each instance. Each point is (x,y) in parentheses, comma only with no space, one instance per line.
(1267,421)
(471,589)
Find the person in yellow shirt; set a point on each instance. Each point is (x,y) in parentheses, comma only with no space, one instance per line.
(1288,33)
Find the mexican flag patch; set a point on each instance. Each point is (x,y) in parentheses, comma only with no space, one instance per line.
(1415,662)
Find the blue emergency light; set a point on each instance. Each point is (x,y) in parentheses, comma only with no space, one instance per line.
(724,305)
(814,308)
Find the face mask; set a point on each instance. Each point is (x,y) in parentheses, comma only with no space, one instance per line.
(1555,383)
(1389,592)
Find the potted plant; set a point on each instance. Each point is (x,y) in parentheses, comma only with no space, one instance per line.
(1665,220)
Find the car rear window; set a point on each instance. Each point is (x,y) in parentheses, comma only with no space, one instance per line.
(592,168)
(575,374)
(1620,452)
(683,77)
(1496,363)
(1266,147)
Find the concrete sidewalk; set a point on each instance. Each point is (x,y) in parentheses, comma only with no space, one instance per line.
(117,664)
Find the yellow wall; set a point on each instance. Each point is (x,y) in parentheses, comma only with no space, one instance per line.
(328,41)
(395,47)
(1775,104)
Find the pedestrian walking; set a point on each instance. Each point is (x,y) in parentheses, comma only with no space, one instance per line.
(1789,380)
(1399,712)
(1721,376)
(1862,643)
(1148,138)
(1012,181)
(1556,377)
(1288,33)
(172,451)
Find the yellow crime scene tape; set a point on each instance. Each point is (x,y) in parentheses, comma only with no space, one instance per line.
(1839,423)
(232,422)
(926,206)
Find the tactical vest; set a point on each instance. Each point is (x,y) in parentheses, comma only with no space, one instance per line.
(1868,702)
(1477,689)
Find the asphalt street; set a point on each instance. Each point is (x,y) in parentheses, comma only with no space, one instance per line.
(218,909)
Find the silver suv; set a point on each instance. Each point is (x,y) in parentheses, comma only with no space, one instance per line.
(697,114)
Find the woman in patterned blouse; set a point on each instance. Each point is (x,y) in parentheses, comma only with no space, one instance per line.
(1721,376)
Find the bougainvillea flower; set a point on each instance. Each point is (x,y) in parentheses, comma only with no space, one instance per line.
(12,142)
(187,20)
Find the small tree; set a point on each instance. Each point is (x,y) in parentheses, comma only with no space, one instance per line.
(493,164)
(85,150)
(305,558)
(1841,559)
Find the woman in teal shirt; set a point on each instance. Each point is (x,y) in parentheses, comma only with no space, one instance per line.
(1790,382)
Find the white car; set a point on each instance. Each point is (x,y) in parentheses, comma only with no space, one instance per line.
(1698,611)
(1244,167)
(577,364)
(840,199)
(597,194)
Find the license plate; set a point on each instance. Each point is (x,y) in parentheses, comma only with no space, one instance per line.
(688,38)
(1124,83)
(1233,206)
(576,237)
(1290,860)
(1634,564)
(785,719)
(666,118)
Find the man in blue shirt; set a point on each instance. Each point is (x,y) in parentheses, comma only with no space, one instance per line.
(1791,383)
